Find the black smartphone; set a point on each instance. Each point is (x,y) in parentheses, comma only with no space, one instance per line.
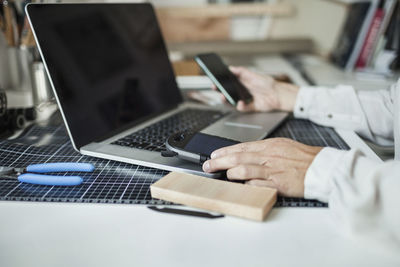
(196,147)
(226,82)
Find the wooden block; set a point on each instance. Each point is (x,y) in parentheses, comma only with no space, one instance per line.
(229,198)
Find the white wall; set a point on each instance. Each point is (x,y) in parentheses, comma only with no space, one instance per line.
(322,20)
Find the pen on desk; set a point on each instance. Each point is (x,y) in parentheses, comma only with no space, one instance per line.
(178,211)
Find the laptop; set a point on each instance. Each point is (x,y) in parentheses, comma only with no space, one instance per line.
(116,90)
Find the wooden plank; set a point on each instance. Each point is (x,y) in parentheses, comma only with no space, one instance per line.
(244,48)
(211,22)
(229,198)
(186,68)
(9,25)
(228,10)
(183,29)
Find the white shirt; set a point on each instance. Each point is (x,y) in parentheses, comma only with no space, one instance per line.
(363,194)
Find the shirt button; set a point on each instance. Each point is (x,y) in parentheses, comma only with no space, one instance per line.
(330,116)
(301,109)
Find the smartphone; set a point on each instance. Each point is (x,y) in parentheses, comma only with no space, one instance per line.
(196,147)
(227,83)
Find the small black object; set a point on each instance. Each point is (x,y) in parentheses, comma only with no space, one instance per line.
(167,153)
(19,121)
(195,146)
(186,212)
(204,158)
(12,119)
(30,114)
(179,137)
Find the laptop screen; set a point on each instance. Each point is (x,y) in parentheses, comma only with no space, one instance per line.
(108,64)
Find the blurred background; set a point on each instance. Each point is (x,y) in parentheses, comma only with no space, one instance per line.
(323,42)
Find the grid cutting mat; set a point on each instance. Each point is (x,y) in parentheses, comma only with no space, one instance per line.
(116,182)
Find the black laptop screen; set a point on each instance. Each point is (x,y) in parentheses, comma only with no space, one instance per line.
(108,64)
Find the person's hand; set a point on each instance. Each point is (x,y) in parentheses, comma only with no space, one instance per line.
(268,94)
(279,163)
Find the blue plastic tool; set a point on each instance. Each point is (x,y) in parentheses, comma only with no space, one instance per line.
(42,179)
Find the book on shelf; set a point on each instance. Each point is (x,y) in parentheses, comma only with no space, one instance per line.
(387,54)
(362,34)
(388,8)
(370,34)
(354,30)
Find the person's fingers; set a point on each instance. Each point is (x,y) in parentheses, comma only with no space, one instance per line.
(272,147)
(249,171)
(244,75)
(233,160)
(288,190)
(262,182)
(223,98)
(241,106)
(236,70)
(242,147)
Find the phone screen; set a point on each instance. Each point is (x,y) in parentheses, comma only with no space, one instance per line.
(224,79)
(205,144)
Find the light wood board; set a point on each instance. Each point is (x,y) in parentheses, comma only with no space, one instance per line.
(229,198)
(183,29)
(228,10)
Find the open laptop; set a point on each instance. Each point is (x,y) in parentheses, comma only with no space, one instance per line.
(116,89)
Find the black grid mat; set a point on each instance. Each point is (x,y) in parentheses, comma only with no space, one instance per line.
(116,182)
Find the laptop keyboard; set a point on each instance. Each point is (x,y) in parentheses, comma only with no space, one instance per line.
(153,137)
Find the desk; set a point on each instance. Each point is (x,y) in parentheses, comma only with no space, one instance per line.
(52,234)
(55,234)
(34,234)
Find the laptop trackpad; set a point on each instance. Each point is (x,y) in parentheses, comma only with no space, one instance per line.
(246,126)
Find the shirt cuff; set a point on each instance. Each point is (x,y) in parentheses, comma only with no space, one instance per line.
(318,183)
(304,101)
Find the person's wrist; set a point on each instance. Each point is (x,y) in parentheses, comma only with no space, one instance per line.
(287,94)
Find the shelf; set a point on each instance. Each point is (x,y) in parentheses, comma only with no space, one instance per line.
(228,10)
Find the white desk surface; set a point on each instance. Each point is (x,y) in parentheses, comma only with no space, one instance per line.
(53,234)
(61,234)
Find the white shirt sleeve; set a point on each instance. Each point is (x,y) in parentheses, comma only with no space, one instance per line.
(369,113)
(363,195)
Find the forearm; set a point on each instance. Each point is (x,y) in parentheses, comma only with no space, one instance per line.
(286,93)
(369,113)
(362,194)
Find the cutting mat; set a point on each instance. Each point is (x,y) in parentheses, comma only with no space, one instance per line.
(116,182)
